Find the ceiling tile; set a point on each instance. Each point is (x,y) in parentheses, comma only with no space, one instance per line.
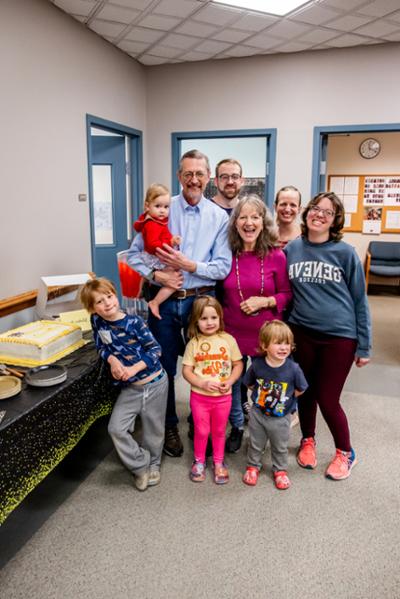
(346,40)
(393,37)
(176,8)
(240,51)
(288,29)
(118,14)
(395,16)
(77,7)
(165,51)
(317,36)
(192,56)
(263,41)
(255,23)
(212,47)
(107,28)
(159,22)
(199,29)
(346,5)
(231,35)
(379,8)
(149,60)
(79,18)
(136,4)
(378,29)
(179,41)
(217,15)
(141,34)
(316,15)
(348,22)
(292,47)
(132,46)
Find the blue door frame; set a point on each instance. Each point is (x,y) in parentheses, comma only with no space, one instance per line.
(320,143)
(135,166)
(269,134)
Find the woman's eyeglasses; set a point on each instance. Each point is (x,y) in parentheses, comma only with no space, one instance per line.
(324,211)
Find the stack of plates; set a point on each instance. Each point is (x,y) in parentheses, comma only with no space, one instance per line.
(46,376)
(9,386)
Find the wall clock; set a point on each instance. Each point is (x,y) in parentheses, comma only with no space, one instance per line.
(369,148)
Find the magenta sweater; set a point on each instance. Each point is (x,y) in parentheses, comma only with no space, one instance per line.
(245,328)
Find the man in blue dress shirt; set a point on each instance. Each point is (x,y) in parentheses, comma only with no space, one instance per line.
(203,257)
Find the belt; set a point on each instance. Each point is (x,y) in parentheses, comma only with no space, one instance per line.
(182,294)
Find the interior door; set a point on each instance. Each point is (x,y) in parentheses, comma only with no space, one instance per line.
(109,204)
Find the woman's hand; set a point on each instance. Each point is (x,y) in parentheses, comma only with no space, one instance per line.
(360,362)
(256,303)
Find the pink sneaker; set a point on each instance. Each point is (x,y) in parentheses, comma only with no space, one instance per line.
(341,465)
(306,456)
(281,479)
(250,477)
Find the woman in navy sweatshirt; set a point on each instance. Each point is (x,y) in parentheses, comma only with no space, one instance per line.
(331,323)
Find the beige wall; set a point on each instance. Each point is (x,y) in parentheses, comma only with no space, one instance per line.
(343,158)
(54,72)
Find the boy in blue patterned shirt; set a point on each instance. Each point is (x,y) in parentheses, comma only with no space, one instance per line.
(133,354)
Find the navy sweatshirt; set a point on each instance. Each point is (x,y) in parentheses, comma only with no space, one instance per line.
(329,290)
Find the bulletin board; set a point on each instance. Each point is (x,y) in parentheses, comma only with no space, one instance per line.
(371,202)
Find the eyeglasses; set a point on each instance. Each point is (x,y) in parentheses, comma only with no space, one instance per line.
(325,212)
(225,178)
(187,175)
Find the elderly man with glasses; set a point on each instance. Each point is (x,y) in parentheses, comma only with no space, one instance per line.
(203,258)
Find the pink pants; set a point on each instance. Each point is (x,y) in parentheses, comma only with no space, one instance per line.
(210,414)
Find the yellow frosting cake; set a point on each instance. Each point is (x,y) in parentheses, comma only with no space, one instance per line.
(38,343)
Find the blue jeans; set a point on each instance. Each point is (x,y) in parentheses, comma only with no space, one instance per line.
(170,333)
(236,416)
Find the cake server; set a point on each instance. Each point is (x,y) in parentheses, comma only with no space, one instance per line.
(7,370)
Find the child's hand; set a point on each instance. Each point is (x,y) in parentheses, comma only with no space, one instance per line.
(211,386)
(117,369)
(129,371)
(176,240)
(225,387)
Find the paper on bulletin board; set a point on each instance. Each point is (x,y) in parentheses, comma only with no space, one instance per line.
(337,185)
(392,219)
(347,220)
(372,226)
(351,185)
(350,203)
(79,317)
(392,191)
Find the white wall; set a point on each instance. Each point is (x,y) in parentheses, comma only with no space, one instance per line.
(293,93)
(54,71)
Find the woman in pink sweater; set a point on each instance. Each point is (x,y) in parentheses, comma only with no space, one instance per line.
(256,290)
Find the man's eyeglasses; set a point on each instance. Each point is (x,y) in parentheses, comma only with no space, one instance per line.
(188,175)
(225,178)
(325,212)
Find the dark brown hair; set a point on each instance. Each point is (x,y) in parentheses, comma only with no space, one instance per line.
(228,161)
(335,231)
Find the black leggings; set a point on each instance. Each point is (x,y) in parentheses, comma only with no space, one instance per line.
(326,361)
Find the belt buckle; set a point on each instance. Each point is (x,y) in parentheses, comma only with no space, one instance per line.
(184,291)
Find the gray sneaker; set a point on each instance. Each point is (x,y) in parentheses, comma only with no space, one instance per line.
(142,481)
(154,478)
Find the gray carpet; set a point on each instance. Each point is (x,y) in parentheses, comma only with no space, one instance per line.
(319,539)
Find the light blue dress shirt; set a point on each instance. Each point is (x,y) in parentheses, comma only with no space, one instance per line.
(204,232)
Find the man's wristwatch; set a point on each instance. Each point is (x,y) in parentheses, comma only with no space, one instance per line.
(150,277)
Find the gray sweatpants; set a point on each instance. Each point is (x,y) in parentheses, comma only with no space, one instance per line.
(262,428)
(150,401)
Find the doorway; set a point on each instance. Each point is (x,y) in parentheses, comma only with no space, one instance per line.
(115,191)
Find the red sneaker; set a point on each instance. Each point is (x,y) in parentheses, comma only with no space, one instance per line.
(306,456)
(341,465)
(281,479)
(250,477)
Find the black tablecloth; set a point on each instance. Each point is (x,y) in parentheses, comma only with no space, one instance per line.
(43,424)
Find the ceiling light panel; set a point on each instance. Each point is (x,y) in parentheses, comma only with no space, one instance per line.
(272,7)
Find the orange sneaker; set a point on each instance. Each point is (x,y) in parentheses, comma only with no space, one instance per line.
(341,465)
(281,479)
(250,477)
(306,456)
